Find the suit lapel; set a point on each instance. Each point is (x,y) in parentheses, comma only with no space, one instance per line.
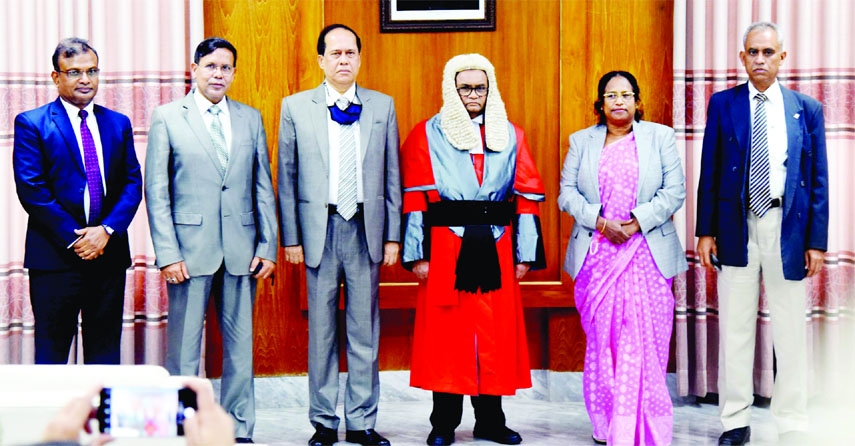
(105,130)
(366,118)
(793,116)
(320,117)
(595,145)
(61,121)
(238,121)
(643,147)
(194,120)
(740,117)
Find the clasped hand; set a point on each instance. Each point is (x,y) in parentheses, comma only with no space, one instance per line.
(91,242)
(618,231)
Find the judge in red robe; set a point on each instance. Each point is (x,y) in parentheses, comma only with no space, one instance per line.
(472,231)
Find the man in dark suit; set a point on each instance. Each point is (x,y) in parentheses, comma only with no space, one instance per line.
(78,178)
(340,210)
(763,211)
(212,214)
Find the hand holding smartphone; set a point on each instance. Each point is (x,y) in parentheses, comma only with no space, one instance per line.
(145,411)
(79,237)
(258,268)
(715,261)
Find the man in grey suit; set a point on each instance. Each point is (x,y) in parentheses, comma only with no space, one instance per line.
(212,215)
(340,212)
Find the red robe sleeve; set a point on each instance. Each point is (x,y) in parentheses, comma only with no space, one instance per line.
(527,179)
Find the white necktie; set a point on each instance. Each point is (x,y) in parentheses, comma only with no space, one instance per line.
(347,168)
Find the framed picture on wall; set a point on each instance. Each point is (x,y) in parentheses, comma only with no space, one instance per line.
(437,15)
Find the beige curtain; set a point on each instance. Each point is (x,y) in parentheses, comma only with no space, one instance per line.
(145,48)
(818,38)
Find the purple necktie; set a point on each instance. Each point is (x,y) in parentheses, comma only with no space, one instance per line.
(93,172)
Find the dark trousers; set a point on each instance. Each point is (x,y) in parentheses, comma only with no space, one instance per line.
(58,297)
(448,411)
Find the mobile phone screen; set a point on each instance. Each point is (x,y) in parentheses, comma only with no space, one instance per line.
(128,411)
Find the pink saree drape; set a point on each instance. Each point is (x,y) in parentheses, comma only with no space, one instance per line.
(626,309)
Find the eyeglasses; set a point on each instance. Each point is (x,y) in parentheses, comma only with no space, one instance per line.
(466,90)
(612,96)
(212,68)
(75,74)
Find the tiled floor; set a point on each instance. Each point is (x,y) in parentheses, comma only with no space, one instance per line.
(553,423)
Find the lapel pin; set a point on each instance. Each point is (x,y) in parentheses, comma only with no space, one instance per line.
(796,116)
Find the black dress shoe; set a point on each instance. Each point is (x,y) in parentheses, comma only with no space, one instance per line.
(597,441)
(366,437)
(502,435)
(738,436)
(244,440)
(438,438)
(324,436)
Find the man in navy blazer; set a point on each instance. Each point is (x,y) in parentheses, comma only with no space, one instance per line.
(772,224)
(78,178)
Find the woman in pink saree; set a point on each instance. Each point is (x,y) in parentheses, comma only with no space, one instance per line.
(621,182)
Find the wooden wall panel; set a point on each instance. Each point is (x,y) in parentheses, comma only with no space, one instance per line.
(549,55)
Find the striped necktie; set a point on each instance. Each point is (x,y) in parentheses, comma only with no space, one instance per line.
(218,137)
(93,170)
(347,168)
(759,198)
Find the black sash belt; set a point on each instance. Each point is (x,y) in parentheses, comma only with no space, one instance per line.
(478,262)
(467,212)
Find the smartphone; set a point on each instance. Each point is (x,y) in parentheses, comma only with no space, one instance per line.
(145,411)
(715,262)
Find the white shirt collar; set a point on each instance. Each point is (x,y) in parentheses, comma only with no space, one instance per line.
(73,111)
(333,95)
(204,104)
(773,93)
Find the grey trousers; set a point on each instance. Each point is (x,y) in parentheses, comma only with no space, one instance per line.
(234,297)
(345,259)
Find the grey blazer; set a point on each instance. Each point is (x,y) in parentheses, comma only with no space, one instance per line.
(195,213)
(304,172)
(661,192)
